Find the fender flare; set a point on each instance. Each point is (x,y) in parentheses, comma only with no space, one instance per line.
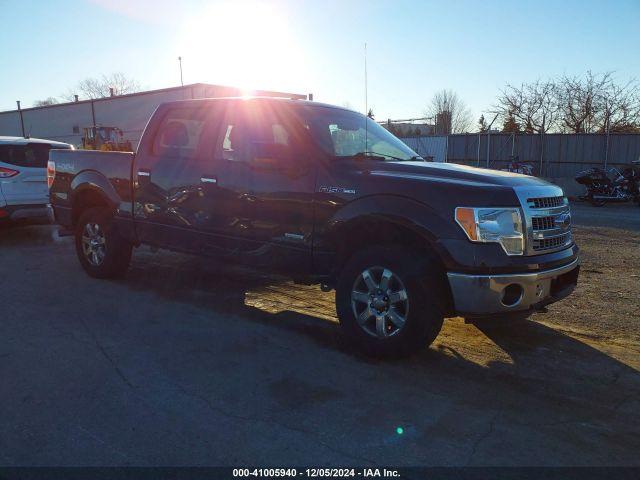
(402,211)
(90,180)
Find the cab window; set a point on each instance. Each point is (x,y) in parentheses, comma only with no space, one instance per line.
(181,133)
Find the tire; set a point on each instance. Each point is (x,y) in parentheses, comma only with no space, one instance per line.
(381,334)
(95,233)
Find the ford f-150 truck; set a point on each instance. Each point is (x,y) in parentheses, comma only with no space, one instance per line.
(324,195)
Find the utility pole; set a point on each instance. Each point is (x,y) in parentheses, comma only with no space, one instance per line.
(21,119)
(608,129)
(489,137)
(366,101)
(180,62)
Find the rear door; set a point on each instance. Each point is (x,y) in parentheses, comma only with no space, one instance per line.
(169,177)
(23,175)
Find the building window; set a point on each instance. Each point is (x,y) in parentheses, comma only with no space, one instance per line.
(76,129)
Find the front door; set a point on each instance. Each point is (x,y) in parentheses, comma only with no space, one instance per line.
(281,189)
(258,213)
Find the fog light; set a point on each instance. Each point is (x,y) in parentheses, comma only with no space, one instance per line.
(512,294)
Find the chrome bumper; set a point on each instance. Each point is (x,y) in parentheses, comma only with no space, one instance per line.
(486,294)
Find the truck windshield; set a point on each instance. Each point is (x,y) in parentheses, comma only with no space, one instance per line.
(346,134)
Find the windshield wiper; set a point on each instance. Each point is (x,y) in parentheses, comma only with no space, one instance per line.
(374,156)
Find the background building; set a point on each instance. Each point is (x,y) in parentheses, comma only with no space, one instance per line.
(64,122)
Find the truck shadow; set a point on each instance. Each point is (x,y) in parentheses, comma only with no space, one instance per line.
(535,360)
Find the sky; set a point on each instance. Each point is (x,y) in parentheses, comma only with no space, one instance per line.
(414,48)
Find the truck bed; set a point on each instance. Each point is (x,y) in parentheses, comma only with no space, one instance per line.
(84,171)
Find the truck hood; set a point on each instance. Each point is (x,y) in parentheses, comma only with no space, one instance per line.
(453,173)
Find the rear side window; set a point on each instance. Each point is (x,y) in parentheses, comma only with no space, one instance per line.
(181,133)
(31,155)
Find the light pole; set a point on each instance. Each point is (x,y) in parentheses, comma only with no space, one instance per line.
(180,62)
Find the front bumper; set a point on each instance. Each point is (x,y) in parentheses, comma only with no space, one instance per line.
(475,295)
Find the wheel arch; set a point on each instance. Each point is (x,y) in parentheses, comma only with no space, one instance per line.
(388,220)
(91,189)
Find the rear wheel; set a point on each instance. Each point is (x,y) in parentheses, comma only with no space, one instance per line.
(102,252)
(390,300)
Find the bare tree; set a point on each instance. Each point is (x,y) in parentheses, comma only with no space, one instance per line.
(46,102)
(590,104)
(620,108)
(577,99)
(101,87)
(450,113)
(534,105)
(596,103)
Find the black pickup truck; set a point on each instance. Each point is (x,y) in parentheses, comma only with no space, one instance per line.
(324,195)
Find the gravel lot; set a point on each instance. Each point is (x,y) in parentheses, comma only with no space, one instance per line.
(188,363)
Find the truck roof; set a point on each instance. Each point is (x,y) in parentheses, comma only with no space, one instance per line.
(291,101)
(24,141)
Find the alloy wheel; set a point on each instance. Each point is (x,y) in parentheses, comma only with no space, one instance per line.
(380,302)
(93,244)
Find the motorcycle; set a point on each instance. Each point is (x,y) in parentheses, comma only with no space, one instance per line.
(516,167)
(624,187)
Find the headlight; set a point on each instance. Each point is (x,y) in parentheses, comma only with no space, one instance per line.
(498,225)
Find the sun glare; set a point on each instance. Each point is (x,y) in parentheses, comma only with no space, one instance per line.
(242,45)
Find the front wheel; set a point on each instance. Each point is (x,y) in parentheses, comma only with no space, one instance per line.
(102,252)
(390,300)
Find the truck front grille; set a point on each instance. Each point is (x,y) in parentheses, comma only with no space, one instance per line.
(553,242)
(547,217)
(546,202)
(543,223)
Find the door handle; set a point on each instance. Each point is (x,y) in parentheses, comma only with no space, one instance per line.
(144,177)
(209,179)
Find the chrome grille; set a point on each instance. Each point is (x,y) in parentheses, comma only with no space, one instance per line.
(547,218)
(543,223)
(553,242)
(546,202)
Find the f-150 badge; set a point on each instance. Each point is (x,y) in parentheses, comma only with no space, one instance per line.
(324,189)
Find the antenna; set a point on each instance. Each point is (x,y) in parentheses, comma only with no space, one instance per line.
(366,102)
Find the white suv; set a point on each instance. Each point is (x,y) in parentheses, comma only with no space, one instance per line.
(23,177)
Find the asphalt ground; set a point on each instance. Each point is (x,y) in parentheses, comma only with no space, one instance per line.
(621,216)
(186,362)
